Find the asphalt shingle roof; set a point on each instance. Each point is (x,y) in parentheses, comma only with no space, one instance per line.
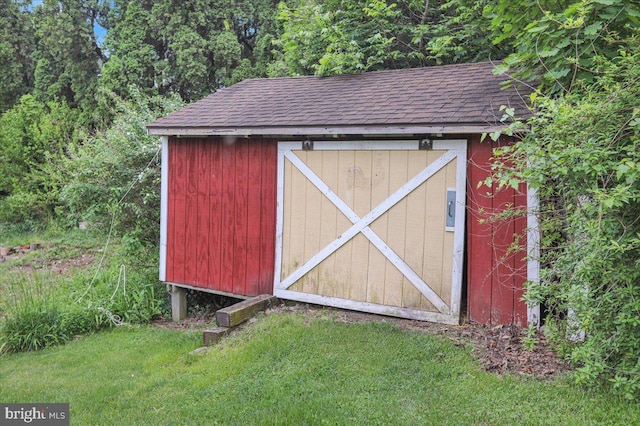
(452,98)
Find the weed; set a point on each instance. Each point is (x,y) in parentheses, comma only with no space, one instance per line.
(530,340)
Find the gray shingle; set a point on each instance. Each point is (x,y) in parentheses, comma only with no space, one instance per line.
(463,93)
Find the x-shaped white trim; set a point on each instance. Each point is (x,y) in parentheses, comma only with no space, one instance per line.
(361,225)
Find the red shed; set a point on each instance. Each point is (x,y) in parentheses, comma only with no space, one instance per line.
(354,191)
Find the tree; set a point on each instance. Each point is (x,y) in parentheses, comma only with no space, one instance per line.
(117,171)
(33,135)
(16,46)
(189,48)
(67,57)
(460,33)
(345,36)
(557,43)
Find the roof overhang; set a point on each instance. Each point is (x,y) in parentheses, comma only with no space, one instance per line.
(377,130)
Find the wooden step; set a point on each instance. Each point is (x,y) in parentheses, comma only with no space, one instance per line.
(214,335)
(240,312)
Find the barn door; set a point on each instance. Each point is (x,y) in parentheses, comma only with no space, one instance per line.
(372,226)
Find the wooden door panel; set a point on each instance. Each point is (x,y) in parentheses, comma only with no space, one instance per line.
(365,229)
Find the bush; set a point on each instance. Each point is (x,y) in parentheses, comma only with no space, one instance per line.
(115,175)
(582,154)
(32,135)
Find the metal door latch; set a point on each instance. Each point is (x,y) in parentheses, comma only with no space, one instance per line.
(451,210)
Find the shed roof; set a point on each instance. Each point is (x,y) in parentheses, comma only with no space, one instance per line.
(462,98)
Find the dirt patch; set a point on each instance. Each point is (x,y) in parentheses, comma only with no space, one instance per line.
(22,259)
(498,349)
(194,322)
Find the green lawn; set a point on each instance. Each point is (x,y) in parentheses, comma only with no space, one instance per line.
(291,368)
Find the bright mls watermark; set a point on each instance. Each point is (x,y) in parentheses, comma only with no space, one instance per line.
(34,414)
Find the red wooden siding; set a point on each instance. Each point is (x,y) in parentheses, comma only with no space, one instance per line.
(221,214)
(495,273)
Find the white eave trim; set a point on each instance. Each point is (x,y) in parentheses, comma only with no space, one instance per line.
(325,130)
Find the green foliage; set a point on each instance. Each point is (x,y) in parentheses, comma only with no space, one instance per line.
(16,46)
(340,36)
(190,49)
(115,174)
(458,33)
(582,155)
(557,43)
(42,311)
(32,136)
(67,57)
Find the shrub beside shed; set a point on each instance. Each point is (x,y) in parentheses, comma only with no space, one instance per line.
(354,191)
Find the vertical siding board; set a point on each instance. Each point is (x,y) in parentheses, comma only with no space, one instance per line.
(287,191)
(215,215)
(495,277)
(313,219)
(254,218)
(228,216)
(396,222)
(520,261)
(240,211)
(434,204)
(361,176)
(297,218)
(202,235)
(479,233)
(414,232)
(268,217)
(191,222)
(221,206)
(342,266)
(180,197)
(379,193)
(328,226)
(503,285)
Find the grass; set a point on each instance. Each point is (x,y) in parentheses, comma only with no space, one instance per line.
(291,368)
(48,296)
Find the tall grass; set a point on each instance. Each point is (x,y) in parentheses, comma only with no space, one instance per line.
(30,316)
(40,307)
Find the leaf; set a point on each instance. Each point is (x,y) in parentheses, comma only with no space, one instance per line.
(538,28)
(593,28)
(500,69)
(559,73)
(548,53)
